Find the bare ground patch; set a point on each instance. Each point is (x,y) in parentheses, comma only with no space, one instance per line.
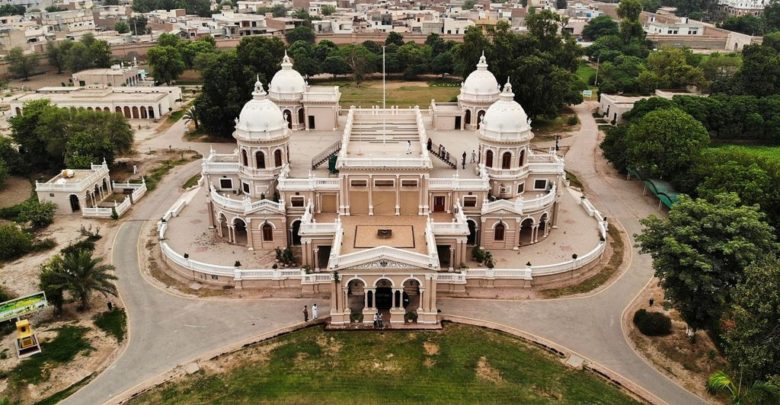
(486,372)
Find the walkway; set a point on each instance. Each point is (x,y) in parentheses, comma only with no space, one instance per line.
(166,330)
(591,325)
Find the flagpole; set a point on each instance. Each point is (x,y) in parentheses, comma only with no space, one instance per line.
(384,98)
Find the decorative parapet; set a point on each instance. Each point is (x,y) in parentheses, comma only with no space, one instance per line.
(285,183)
(98,171)
(221,163)
(520,206)
(310,227)
(245,205)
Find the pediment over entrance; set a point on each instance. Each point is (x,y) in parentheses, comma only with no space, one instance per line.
(383,258)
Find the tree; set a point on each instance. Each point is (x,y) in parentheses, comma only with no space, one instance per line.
(359,60)
(394,38)
(57,54)
(627,74)
(81,274)
(191,115)
(300,33)
(137,24)
(335,65)
(192,49)
(3,173)
(772,16)
(167,39)
(664,142)
(630,27)
(759,393)
(753,339)
(166,63)
(327,9)
(227,87)
(700,252)
(279,10)
(21,65)
(671,67)
(50,282)
(719,71)
(760,73)
(11,9)
(599,27)
(303,58)
(121,27)
(259,55)
(746,24)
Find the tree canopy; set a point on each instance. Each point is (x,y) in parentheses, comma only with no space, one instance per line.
(700,252)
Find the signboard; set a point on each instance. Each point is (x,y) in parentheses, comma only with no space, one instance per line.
(587,93)
(18,307)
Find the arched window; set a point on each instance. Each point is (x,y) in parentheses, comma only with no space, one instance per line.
(278,157)
(489,158)
(268,232)
(260,159)
(468,117)
(522,157)
(499,231)
(506,160)
(244,158)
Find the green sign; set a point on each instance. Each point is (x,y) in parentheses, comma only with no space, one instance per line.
(587,93)
(22,306)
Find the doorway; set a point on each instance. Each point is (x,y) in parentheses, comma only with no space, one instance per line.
(311,122)
(75,206)
(457,122)
(383,295)
(438,204)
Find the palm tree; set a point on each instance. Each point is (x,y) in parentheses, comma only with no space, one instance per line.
(191,115)
(761,392)
(81,274)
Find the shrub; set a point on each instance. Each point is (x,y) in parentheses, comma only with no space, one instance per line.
(478,254)
(652,323)
(85,244)
(38,214)
(114,214)
(572,120)
(410,317)
(14,242)
(356,318)
(45,244)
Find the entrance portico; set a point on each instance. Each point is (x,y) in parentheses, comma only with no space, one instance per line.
(388,286)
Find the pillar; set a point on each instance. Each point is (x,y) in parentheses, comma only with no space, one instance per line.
(370,195)
(210,209)
(315,259)
(250,240)
(231,234)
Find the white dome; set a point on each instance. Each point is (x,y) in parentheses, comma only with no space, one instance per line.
(480,82)
(260,114)
(506,115)
(287,80)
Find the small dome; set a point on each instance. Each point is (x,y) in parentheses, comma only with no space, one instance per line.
(287,80)
(480,82)
(506,115)
(260,114)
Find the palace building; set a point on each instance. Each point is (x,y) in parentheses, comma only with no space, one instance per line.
(394,212)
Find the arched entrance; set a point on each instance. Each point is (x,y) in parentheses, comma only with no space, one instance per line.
(268,232)
(384,294)
(522,157)
(239,230)
(301,117)
(128,115)
(526,231)
(75,206)
(472,238)
(499,231)
(244,158)
(489,158)
(506,160)
(151,112)
(278,158)
(480,114)
(294,231)
(135,112)
(467,120)
(411,295)
(356,297)
(260,159)
(288,118)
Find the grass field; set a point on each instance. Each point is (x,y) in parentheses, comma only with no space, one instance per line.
(402,94)
(462,364)
(768,152)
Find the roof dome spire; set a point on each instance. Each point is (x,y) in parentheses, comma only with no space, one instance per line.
(286,63)
(482,64)
(259,93)
(507,93)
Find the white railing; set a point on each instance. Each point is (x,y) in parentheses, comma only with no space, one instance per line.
(98,171)
(458,226)
(308,184)
(317,278)
(593,212)
(335,250)
(385,162)
(123,207)
(430,241)
(139,192)
(245,205)
(546,168)
(508,173)
(520,206)
(96,212)
(220,167)
(310,226)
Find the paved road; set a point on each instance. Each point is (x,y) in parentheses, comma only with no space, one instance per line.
(590,325)
(167,330)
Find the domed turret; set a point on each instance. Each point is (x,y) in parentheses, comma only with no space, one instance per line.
(506,116)
(480,85)
(287,83)
(260,116)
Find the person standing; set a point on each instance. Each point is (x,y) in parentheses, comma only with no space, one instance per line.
(463,161)
(408,147)
(305,314)
(315,312)
(430,144)
(473,156)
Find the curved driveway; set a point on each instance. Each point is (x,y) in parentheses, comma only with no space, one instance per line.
(167,330)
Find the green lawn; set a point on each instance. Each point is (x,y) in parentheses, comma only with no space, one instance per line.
(408,94)
(768,152)
(113,323)
(69,342)
(462,364)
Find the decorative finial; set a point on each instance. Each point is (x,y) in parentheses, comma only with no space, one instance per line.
(482,65)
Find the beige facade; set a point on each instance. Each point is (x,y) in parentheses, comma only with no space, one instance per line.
(113,77)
